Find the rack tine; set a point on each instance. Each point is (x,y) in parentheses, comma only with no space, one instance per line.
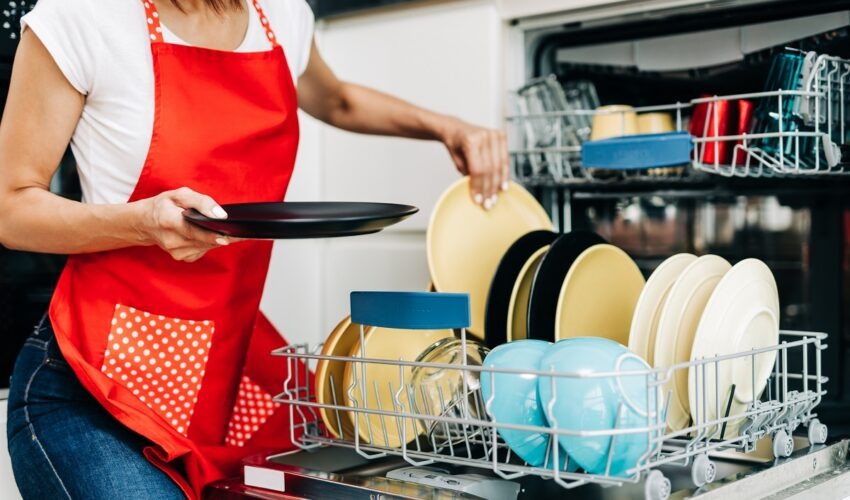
(716,397)
(726,414)
(411,397)
(610,459)
(448,434)
(383,426)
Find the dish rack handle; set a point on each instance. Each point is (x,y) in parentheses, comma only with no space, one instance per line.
(411,310)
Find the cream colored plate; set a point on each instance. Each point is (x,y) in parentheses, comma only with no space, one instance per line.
(465,242)
(518,306)
(339,343)
(678,325)
(599,295)
(651,301)
(382,381)
(742,314)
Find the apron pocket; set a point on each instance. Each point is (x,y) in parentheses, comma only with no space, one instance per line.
(161,360)
(254,406)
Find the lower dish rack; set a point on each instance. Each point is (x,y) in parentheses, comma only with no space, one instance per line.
(465,433)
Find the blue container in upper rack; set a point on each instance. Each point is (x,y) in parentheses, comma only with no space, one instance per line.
(635,152)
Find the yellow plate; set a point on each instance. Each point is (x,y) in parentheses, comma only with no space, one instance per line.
(385,343)
(680,318)
(518,306)
(599,295)
(465,242)
(339,343)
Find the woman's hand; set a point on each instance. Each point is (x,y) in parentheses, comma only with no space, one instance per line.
(163,224)
(482,154)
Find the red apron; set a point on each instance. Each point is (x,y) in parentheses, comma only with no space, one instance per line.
(165,346)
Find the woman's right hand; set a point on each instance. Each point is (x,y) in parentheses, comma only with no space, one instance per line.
(163,224)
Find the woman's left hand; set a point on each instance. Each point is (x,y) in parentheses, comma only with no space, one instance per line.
(482,154)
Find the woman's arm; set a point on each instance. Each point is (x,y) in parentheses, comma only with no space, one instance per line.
(478,152)
(42,110)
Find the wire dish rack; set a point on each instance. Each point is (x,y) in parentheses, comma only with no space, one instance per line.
(798,126)
(463,431)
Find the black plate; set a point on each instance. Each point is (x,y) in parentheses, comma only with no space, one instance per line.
(498,299)
(293,220)
(546,287)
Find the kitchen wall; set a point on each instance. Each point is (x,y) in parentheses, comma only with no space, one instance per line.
(444,56)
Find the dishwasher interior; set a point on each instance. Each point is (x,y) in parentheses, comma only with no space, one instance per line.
(665,60)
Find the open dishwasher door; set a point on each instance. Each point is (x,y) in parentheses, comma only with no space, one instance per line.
(819,472)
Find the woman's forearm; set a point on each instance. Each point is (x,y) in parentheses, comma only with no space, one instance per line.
(34,219)
(42,110)
(368,111)
(476,151)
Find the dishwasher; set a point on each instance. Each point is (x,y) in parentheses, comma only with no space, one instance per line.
(765,172)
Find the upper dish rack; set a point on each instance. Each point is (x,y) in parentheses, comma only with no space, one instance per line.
(798,126)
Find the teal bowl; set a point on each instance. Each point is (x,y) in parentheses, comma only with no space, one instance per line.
(592,404)
(515,400)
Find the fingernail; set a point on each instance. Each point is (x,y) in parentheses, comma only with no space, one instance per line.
(478,198)
(494,199)
(219,213)
(488,203)
(222,241)
(505,186)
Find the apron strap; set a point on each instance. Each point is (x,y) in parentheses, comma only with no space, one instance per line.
(155,28)
(266,24)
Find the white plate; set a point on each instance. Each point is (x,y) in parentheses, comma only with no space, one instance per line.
(680,318)
(651,302)
(742,314)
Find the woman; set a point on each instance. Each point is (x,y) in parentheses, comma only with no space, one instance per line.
(140,382)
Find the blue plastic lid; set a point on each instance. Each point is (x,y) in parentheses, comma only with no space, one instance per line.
(411,310)
(633,152)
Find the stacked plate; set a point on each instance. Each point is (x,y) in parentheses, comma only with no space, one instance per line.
(527,283)
(466,243)
(524,280)
(551,287)
(700,307)
(341,382)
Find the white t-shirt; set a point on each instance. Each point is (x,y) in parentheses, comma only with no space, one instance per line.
(103,49)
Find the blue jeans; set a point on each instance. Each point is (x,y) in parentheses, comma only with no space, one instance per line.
(63,443)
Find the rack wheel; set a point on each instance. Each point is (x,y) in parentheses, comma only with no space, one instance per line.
(657,487)
(783,444)
(817,432)
(703,471)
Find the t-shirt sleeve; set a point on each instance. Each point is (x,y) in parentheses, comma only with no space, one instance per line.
(67,29)
(306,26)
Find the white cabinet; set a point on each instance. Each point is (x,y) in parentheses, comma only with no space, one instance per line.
(8,490)
(443,56)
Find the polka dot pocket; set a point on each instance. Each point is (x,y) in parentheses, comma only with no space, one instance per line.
(161,360)
(254,407)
